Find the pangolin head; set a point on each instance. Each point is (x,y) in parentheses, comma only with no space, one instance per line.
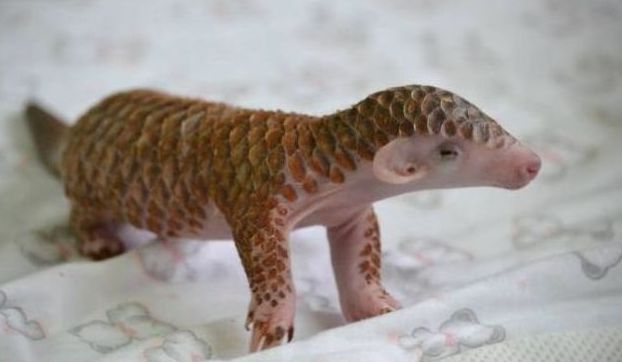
(436,137)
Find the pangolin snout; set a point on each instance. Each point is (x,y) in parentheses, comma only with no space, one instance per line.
(526,167)
(516,167)
(531,168)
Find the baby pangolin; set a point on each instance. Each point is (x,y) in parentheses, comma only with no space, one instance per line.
(189,168)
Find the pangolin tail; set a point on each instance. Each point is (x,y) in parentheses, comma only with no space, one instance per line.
(49,133)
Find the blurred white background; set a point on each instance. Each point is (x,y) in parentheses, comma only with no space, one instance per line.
(549,70)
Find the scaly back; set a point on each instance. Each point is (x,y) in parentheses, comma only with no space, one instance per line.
(156,160)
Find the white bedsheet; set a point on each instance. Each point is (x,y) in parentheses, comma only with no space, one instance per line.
(472,267)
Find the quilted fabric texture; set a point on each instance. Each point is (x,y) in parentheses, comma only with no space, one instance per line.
(602,344)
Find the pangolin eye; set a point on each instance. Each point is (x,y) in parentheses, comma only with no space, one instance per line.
(448,152)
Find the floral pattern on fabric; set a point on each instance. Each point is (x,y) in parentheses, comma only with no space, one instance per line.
(461,331)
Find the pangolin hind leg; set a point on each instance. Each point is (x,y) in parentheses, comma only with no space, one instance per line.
(97,234)
(265,256)
(355,254)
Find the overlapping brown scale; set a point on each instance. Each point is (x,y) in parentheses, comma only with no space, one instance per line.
(385,122)
(435,120)
(241,125)
(447,104)
(306,142)
(498,136)
(164,161)
(319,163)
(159,196)
(402,93)
(92,149)
(323,135)
(289,193)
(149,132)
(257,153)
(170,134)
(276,159)
(243,173)
(167,147)
(429,104)
(421,124)
(239,151)
(344,159)
(180,193)
(365,150)
(290,141)
(406,129)
(150,170)
(365,127)
(345,134)
(418,94)
(256,132)
(237,195)
(366,107)
(384,98)
(309,184)
(380,139)
(168,173)
(473,112)
(185,161)
(98,123)
(176,155)
(103,120)
(411,109)
(336,175)
(449,128)
(290,122)
(480,132)
(296,166)
(466,130)
(274,137)
(396,112)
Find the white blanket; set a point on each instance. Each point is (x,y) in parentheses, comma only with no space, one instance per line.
(472,267)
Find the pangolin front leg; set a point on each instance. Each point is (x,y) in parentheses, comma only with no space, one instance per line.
(263,248)
(355,254)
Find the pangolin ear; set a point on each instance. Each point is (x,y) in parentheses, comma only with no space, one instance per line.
(392,164)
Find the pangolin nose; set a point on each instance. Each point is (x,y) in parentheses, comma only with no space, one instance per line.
(533,167)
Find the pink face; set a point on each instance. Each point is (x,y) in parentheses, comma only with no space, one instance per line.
(462,163)
(454,144)
(439,161)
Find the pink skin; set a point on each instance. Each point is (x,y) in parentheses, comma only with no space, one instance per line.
(419,162)
(403,165)
(359,299)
